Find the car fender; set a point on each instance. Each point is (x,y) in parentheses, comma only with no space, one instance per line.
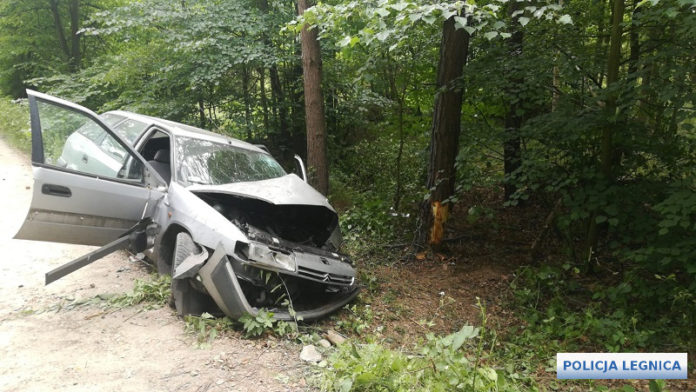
(206,226)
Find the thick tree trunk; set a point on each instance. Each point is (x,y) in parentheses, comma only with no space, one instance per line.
(512,155)
(444,135)
(314,107)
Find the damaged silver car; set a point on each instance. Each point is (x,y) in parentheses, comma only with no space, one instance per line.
(234,230)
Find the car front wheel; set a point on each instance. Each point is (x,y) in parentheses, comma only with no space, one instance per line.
(186,298)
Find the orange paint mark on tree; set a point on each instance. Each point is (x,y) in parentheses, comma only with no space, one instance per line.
(440,213)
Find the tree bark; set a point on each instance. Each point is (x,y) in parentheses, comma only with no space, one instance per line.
(607,150)
(201,112)
(613,63)
(280,104)
(602,38)
(60,32)
(75,50)
(314,107)
(444,135)
(512,155)
(247,101)
(264,100)
(399,95)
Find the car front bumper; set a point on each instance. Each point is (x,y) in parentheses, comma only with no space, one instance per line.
(221,282)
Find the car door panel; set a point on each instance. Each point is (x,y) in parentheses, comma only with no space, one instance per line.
(82,203)
(93,212)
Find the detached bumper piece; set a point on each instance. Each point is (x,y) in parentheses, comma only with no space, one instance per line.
(136,239)
(313,294)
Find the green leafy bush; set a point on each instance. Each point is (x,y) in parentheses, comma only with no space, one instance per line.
(155,291)
(440,364)
(376,200)
(14,124)
(358,320)
(255,326)
(207,327)
(563,313)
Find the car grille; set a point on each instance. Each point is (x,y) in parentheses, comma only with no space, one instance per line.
(325,276)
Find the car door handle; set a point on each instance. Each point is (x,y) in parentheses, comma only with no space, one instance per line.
(56,190)
(84,158)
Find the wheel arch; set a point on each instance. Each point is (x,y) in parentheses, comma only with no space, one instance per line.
(165,249)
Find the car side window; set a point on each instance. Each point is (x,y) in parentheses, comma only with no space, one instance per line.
(129,130)
(75,141)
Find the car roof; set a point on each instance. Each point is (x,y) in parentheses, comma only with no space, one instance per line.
(179,129)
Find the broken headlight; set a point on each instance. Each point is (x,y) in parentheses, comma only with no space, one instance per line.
(270,257)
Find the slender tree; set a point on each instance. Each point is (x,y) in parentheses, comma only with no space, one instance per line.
(607,153)
(444,134)
(71,49)
(314,106)
(512,153)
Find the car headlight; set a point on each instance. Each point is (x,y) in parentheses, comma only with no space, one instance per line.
(335,239)
(272,257)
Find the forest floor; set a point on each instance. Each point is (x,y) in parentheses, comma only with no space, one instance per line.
(49,342)
(439,292)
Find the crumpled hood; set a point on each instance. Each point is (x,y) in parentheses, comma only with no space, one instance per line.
(286,190)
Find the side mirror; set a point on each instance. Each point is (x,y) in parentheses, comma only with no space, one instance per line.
(301,167)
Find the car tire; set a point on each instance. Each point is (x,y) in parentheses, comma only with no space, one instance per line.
(185,298)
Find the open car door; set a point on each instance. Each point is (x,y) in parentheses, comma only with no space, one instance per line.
(90,186)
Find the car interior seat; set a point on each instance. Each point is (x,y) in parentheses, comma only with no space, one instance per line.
(160,162)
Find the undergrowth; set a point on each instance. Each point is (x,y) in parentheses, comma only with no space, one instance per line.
(207,327)
(459,361)
(153,292)
(563,312)
(14,124)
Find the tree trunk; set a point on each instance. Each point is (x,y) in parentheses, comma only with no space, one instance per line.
(276,91)
(280,104)
(399,95)
(60,32)
(607,150)
(201,112)
(247,103)
(75,50)
(602,37)
(512,156)
(613,63)
(314,107)
(296,103)
(444,135)
(264,100)
(634,42)
(556,79)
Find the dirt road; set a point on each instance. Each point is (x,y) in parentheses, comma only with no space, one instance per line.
(47,345)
